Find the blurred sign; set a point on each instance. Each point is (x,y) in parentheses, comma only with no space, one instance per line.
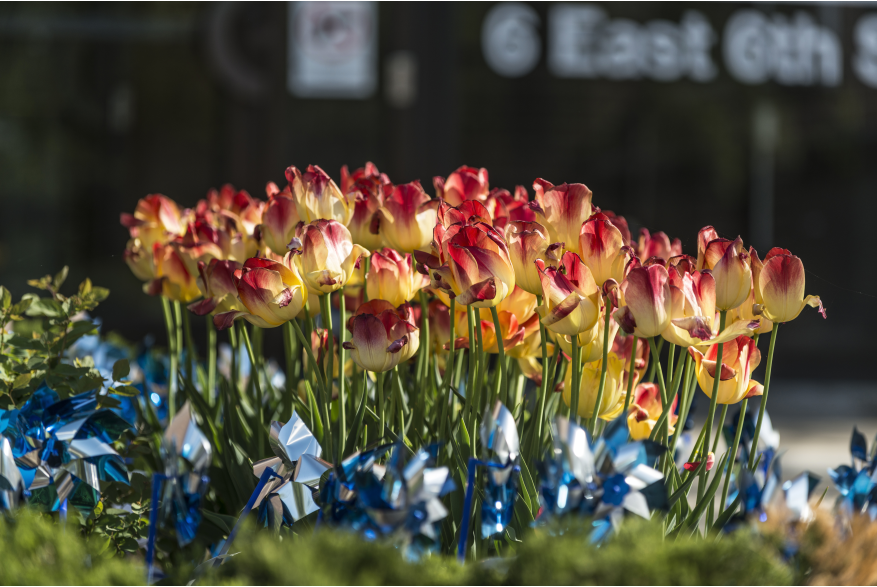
(333,49)
(584,41)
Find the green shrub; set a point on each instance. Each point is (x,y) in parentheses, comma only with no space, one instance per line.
(34,550)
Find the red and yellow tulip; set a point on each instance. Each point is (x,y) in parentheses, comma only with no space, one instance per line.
(645,410)
(466,183)
(279,219)
(612,403)
(408,217)
(328,255)
(729,262)
(379,334)
(648,303)
(392,277)
(603,249)
(218,284)
(562,209)
(740,357)
(317,197)
(780,286)
(527,242)
(571,300)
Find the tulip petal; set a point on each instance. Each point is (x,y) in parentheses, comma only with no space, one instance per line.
(483,290)
(225,320)
(696,326)
(203,307)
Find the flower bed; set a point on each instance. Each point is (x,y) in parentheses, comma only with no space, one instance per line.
(477,375)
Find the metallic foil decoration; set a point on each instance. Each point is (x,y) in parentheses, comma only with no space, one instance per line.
(400,501)
(857,483)
(11,485)
(606,482)
(499,439)
(289,498)
(768,439)
(186,453)
(63,448)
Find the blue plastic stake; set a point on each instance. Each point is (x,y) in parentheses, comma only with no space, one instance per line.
(467,502)
(63,511)
(157,481)
(266,475)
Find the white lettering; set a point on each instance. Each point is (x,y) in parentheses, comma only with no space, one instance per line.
(865,58)
(510,39)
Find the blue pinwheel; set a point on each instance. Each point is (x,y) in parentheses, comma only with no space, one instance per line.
(11,485)
(605,483)
(857,482)
(63,448)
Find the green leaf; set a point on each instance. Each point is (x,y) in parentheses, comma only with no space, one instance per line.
(60,277)
(47,308)
(21,307)
(106,401)
(708,495)
(223,522)
(121,368)
(125,391)
(5,298)
(21,381)
(85,287)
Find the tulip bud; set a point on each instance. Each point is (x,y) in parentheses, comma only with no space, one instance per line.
(172,279)
(271,292)
(408,217)
(466,183)
(505,207)
(647,311)
(139,260)
(279,221)
(740,357)
(612,403)
(780,285)
(317,197)
(379,333)
(328,255)
(562,209)
(729,262)
(657,245)
(218,285)
(603,249)
(366,187)
(570,297)
(706,235)
(392,277)
(645,411)
(156,219)
(527,242)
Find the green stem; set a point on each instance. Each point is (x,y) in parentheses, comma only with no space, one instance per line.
(504,390)
(190,349)
(721,425)
(575,380)
(630,377)
(754,451)
(685,403)
(289,351)
(733,457)
(446,396)
(382,411)
(598,403)
(342,384)
(326,315)
(536,437)
(178,322)
(211,361)
(235,355)
(708,426)
(471,373)
(172,353)
(254,375)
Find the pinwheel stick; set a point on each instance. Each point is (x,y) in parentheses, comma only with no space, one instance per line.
(467,501)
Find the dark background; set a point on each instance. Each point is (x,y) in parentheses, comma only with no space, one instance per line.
(105,103)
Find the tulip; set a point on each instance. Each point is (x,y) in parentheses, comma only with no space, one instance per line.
(729,262)
(705,236)
(328,255)
(657,245)
(645,411)
(612,403)
(562,209)
(157,219)
(471,261)
(570,298)
(139,260)
(603,249)
(392,277)
(369,173)
(620,223)
(647,312)
(408,217)
(466,183)
(780,285)
(379,333)
(279,219)
(218,285)
(517,320)
(591,341)
(622,346)
(527,242)
(740,357)
(366,186)
(203,242)
(439,326)
(272,292)
(505,207)
(317,197)
(172,279)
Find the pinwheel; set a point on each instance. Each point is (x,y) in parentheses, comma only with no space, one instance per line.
(11,485)
(287,496)
(606,483)
(62,448)
(400,501)
(857,484)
